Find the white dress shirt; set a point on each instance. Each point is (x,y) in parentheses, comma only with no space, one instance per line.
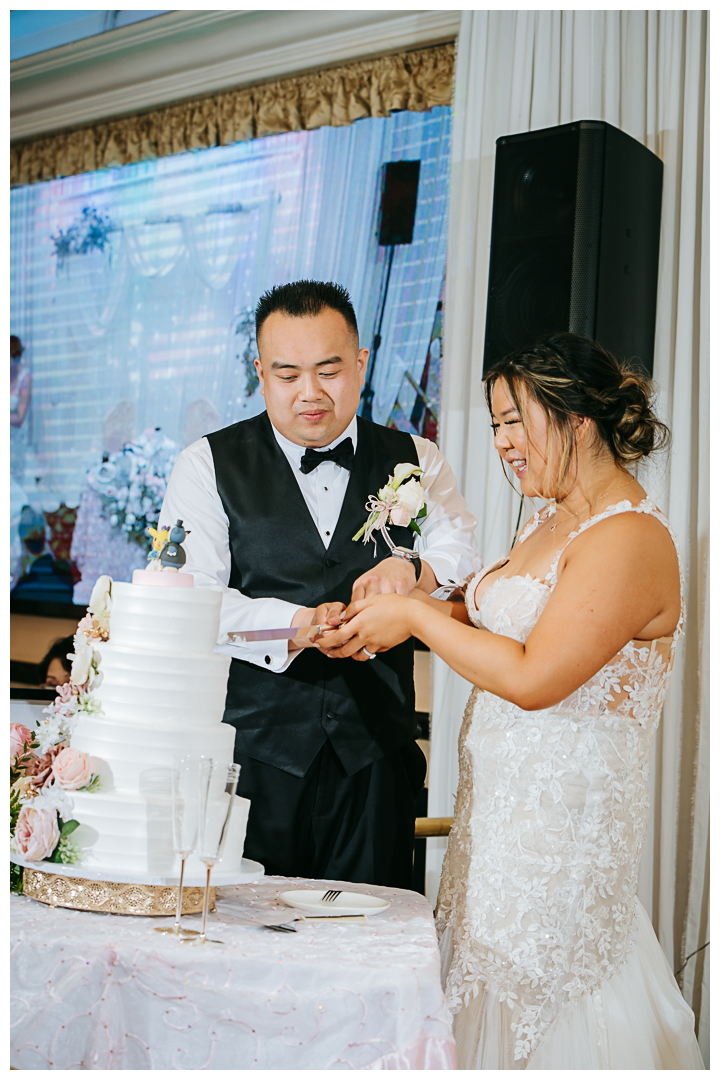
(447,543)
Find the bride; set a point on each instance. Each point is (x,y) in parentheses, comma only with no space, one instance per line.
(549,960)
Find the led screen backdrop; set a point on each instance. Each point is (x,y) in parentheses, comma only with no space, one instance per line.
(133,291)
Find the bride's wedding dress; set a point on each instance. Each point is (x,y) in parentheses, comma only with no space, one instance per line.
(549,960)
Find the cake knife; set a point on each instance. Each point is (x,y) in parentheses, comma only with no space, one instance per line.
(285,633)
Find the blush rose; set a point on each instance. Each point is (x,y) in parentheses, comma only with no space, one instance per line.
(72,769)
(19,735)
(37,833)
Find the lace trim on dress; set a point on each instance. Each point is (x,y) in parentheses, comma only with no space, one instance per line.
(540,877)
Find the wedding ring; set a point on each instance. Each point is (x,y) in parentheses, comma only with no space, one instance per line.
(370,655)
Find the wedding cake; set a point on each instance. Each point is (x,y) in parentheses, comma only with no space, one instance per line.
(161,692)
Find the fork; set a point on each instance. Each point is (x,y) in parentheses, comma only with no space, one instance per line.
(330,896)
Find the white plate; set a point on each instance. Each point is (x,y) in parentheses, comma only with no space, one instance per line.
(347,903)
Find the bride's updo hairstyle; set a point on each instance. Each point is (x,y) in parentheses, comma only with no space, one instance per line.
(571,377)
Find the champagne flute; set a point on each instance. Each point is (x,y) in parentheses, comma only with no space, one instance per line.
(185,780)
(218,782)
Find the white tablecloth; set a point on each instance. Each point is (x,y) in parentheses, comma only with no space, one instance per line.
(92,991)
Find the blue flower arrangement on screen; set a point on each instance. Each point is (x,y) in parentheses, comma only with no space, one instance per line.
(91,231)
(132,485)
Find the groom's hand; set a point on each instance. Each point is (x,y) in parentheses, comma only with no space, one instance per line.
(323,615)
(393,576)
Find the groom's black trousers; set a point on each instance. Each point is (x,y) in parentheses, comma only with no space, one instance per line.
(327,824)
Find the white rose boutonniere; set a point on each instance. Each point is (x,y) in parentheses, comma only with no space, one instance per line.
(403,500)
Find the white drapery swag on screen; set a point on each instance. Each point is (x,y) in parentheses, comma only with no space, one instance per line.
(92,285)
(644,72)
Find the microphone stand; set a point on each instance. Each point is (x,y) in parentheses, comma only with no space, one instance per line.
(368,393)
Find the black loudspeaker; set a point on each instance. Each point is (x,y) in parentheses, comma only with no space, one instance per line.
(399,201)
(575,240)
(396,225)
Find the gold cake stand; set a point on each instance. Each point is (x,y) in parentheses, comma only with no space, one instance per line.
(75,887)
(114,897)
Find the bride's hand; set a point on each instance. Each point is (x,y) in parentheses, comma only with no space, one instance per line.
(376,624)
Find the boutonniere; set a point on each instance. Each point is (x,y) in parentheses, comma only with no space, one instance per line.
(402,500)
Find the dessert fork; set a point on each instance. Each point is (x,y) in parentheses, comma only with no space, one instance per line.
(330,896)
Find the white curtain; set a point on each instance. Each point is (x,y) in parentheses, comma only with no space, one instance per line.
(644,72)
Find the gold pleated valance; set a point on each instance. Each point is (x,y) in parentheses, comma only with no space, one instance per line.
(415,80)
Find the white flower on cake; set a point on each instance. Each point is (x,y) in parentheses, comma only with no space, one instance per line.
(82,660)
(101,597)
(402,500)
(53,730)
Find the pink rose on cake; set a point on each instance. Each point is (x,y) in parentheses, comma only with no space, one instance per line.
(19,735)
(72,769)
(37,833)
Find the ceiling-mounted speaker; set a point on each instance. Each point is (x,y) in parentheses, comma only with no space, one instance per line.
(399,201)
(575,240)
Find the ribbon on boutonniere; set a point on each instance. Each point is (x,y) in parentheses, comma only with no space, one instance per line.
(403,501)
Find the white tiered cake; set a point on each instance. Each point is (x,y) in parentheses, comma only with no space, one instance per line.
(162,693)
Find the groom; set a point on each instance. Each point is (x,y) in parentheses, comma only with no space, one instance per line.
(327,746)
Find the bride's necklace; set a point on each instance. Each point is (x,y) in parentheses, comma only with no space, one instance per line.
(592,502)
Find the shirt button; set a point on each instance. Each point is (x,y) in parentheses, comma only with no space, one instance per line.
(331,715)
(268,659)
(327,533)
(324,489)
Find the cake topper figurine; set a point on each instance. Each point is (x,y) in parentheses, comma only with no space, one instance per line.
(159,539)
(172,556)
(165,551)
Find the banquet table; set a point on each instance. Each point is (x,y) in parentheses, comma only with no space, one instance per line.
(100,991)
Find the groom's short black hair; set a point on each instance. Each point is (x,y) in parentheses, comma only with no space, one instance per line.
(300,298)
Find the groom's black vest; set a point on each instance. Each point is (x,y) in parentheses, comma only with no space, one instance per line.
(366,710)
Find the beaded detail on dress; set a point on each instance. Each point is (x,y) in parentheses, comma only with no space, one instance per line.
(540,877)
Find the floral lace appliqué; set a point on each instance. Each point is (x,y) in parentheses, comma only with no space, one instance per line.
(540,877)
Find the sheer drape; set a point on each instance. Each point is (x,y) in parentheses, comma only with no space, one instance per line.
(644,72)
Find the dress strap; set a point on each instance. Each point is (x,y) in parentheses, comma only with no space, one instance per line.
(537,519)
(626,507)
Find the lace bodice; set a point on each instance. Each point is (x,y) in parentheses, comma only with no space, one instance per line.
(540,876)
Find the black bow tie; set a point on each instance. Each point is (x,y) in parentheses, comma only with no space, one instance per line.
(342,454)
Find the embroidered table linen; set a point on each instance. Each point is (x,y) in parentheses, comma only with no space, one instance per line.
(95,991)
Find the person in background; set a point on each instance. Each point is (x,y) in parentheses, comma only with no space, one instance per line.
(20,393)
(54,668)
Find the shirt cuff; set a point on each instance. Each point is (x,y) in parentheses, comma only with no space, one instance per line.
(272,655)
(445,571)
